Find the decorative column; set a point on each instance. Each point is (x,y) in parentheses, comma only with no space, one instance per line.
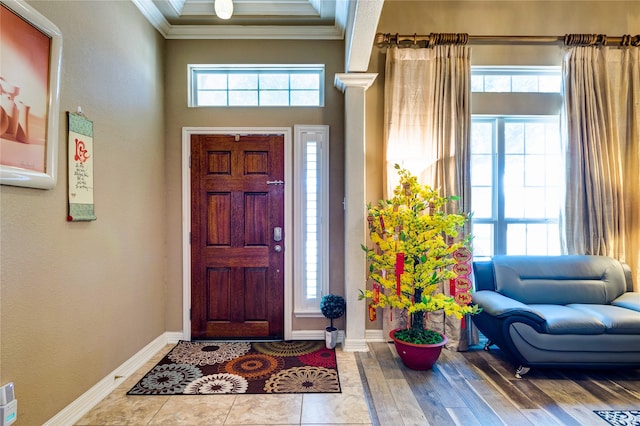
(354,87)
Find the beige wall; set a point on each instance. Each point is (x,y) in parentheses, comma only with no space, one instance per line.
(80,298)
(555,18)
(179,54)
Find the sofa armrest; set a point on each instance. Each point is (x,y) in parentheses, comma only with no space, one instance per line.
(628,300)
(628,276)
(500,306)
(483,275)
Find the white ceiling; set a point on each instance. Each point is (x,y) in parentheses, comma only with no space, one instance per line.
(252,19)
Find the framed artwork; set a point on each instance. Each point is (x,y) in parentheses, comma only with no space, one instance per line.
(31,50)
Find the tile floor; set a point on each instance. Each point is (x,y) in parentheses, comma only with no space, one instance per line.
(348,407)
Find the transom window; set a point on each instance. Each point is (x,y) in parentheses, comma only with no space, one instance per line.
(516,79)
(256,86)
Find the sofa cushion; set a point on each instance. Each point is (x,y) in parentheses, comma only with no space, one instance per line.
(629,300)
(617,320)
(566,320)
(559,279)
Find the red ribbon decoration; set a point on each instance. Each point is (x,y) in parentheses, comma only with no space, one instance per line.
(372,313)
(454,292)
(399,270)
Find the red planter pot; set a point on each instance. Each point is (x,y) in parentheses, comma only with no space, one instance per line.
(418,357)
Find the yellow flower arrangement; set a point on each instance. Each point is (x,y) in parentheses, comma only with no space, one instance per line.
(414,242)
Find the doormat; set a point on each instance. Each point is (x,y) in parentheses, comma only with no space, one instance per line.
(620,417)
(196,368)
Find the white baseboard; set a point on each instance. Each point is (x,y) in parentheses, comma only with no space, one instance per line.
(355,345)
(374,336)
(369,336)
(78,408)
(313,335)
(174,337)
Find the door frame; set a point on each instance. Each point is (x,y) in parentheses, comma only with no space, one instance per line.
(186,216)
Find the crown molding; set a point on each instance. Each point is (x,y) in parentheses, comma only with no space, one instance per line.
(240,32)
(154,16)
(248,32)
(177,6)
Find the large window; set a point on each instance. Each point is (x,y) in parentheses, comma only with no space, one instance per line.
(311,221)
(256,86)
(517,171)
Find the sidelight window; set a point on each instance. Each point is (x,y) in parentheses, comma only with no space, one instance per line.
(311,220)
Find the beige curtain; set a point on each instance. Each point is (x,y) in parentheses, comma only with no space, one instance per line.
(427,129)
(602,117)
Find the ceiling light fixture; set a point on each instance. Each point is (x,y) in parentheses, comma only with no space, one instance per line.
(223,8)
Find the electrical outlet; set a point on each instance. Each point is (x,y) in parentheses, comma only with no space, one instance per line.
(9,413)
(8,405)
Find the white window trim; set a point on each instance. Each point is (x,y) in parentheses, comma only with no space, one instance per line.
(302,135)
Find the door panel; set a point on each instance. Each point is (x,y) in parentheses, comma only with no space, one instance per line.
(237,282)
(256,219)
(218,219)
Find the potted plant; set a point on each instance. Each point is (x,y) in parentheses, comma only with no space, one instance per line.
(416,245)
(333,307)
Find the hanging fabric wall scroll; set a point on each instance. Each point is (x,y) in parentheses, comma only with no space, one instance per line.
(460,287)
(81,207)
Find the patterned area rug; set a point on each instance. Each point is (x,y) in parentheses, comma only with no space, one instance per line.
(193,368)
(620,417)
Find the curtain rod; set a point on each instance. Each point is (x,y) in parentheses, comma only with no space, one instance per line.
(387,39)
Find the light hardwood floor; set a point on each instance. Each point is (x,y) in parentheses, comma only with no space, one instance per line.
(479,388)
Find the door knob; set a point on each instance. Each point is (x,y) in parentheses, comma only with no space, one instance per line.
(277,248)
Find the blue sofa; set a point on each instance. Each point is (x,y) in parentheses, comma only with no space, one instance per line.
(559,311)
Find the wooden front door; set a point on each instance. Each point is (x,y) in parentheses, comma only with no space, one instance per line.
(237,236)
